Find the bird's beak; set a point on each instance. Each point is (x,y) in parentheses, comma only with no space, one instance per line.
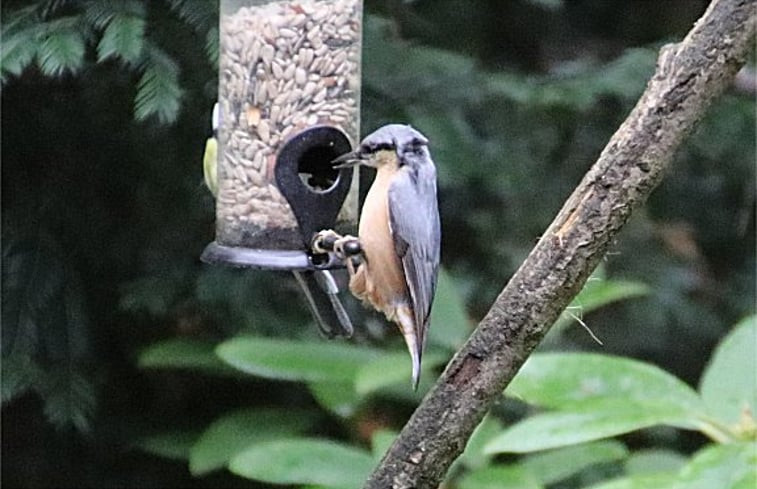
(347,160)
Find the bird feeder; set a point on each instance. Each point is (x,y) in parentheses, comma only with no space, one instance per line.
(289,98)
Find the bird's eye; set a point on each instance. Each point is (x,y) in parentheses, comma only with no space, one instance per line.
(416,148)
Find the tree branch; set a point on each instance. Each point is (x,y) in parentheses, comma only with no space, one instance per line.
(689,76)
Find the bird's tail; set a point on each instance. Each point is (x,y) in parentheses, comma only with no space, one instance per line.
(322,294)
(406,322)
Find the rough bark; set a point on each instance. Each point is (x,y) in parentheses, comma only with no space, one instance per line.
(688,77)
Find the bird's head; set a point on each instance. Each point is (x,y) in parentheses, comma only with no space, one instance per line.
(391,144)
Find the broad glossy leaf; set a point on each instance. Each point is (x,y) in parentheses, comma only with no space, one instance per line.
(597,293)
(639,481)
(729,383)
(561,463)
(474,456)
(654,461)
(169,444)
(732,466)
(567,380)
(295,360)
(234,432)
(499,477)
(392,369)
(304,461)
(450,325)
(184,353)
(594,421)
(339,398)
(381,441)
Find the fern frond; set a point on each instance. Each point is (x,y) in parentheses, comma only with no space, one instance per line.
(158,90)
(124,34)
(70,397)
(98,13)
(211,45)
(50,7)
(45,342)
(62,48)
(200,14)
(18,52)
(20,36)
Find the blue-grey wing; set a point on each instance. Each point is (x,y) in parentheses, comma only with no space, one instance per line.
(416,232)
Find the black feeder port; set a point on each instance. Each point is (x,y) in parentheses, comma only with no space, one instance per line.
(314,190)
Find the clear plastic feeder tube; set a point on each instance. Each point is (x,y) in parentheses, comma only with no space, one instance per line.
(285,66)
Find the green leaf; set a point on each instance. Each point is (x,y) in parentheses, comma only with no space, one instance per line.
(184,353)
(304,461)
(62,47)
(568,380)
(169,444)
(731,466)
(234,432)
(392,369)
(70,397)
(654,461)
(158,90)
(474,456)
(499,477)
(211,45)
(20,43)
(597,293)
(639,481)
(559,464)
(20,373)
(339,398)
(295,360)
(729,382)
(450,325)
(122,38)
(592,421)
(381,441)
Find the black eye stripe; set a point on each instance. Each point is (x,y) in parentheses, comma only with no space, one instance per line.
(372,148)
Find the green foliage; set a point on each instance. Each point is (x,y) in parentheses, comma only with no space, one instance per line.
(391,370)
(123,31)
(158,91)
(57,45)
(183,353)
(290,360)
(174,445)
(233,433)
(598,292)
(304,461)
(345,378)
(728,384)
(451,323)
(592,397)
(45,342)
(597,396)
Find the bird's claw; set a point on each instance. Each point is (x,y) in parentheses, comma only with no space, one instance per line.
(329,241)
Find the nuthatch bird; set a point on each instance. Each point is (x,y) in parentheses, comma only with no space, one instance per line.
(399,233)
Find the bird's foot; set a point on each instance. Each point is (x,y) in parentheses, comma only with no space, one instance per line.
(344,247)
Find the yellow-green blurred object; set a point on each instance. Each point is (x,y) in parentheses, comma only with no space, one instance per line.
(210,160)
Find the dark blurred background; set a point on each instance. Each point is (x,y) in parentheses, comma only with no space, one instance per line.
(104,217)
